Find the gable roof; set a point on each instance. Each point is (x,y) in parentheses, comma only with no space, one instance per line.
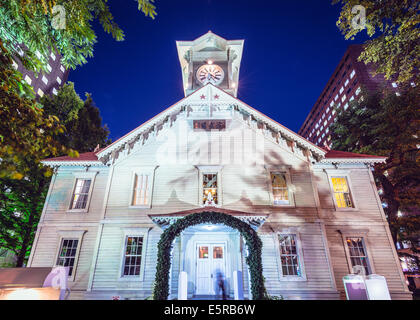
(204,95)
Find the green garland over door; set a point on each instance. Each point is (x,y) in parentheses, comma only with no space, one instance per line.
(252,240)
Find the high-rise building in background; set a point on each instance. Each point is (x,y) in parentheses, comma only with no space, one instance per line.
(45,82)
(343,86)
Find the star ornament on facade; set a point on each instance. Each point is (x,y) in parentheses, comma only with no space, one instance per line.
(202,97)
(216,96)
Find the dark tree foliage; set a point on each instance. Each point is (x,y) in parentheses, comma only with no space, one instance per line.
(22,200)
(386,124)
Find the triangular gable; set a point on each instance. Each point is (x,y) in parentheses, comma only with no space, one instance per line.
(210,94)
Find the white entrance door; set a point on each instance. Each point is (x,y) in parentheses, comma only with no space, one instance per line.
(211,259)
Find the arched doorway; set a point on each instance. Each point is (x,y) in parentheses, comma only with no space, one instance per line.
(250,236)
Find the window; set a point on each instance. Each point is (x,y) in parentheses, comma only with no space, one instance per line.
(394,85)
(58,80)
(52,56)
(336,97)
(67,254)
(352,74)
(341,90)
(346,83)
(49,68)
(44,79)
(357,253)
(40,92)
(289,255)
(210,189)
(343,98)
(280,190)
(15,65)
(28,79)
(208,125)
(358,91)
(346,106)
(62,68)
(140,190)
(341,192)
(54,91)
(132,256)
(81,194)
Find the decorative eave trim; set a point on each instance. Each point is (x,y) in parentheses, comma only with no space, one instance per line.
(72,163)
(353,160)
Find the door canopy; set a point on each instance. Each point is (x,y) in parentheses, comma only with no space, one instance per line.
(252,240)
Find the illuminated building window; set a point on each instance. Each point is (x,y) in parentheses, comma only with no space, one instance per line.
(52,56)
(357,254)
(280,189)
(67,254)
(62,68)
(58,80)
(289,257)
(352,74)
(358,91)
(343,98)
(40,92)
(346,83)
(81,194)
(341,192)
(54,91)
(44,79)
(210,189)
(341,90)
(132,256)
(49,68)
(140,190)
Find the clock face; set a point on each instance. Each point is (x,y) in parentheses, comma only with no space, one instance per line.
(210,73)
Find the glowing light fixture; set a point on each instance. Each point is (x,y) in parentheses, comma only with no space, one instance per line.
(209,227)
(209,61)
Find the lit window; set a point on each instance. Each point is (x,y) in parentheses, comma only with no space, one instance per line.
(40,92)
(328,130)
(62,68)
(325,122)
(15,65)
(140,190)
(49,68)
(346,106)
(343,98)
(316,126)
(323,135)
(358,91)
(44,79)
(54,91)
(346,83)
(341,192)
(38,54)
(352,98)
(329,117)
(210,189)
(81,194)
(333,112)
(397,94)
(336,97)
(352,74)
(289,257)
(322,128)
(132,256)
(280,190)
(341,90)
(67,254)
(328,109)
(58,80)
(394,85)
(52,56)
(28,79)
(357,252)
(332,103)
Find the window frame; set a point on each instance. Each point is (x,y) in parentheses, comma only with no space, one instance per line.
(150,171)
(133,232)
(290,187)
(82,175)
(341,174)
(349,233)
(299,250)
(210,170)
(70,235)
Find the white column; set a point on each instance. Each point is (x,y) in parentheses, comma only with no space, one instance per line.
(183,286)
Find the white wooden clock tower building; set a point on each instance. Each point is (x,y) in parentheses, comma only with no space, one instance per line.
(317,212)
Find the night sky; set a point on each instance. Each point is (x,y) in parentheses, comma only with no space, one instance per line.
(291,49)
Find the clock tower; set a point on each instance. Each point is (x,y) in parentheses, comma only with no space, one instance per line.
(210,59)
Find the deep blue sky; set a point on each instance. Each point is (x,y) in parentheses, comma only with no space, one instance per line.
(291,49)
